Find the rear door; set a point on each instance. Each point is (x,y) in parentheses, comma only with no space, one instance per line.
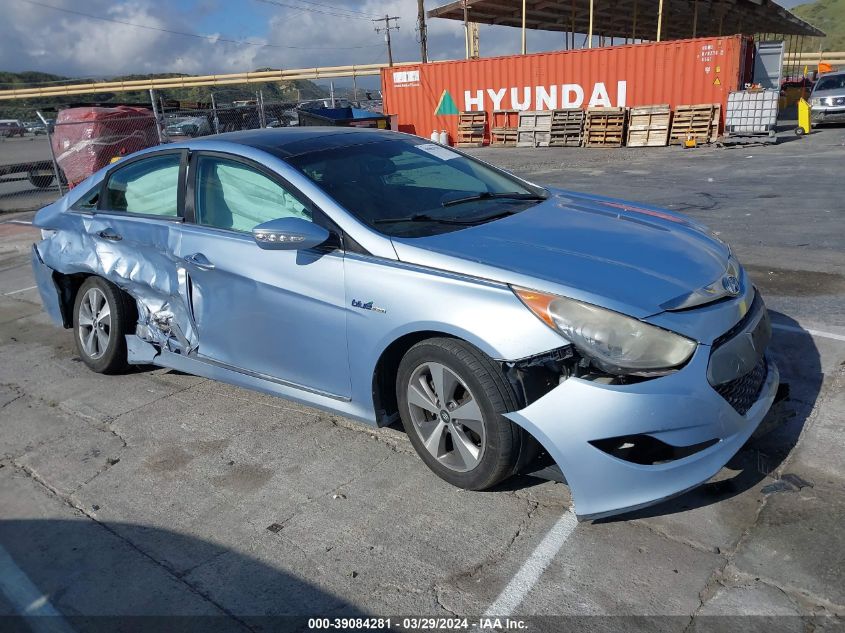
(275,314)
(138,212)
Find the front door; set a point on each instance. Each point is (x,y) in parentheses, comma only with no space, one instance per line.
(277,314)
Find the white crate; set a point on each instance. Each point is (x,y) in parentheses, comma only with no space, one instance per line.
(751,112)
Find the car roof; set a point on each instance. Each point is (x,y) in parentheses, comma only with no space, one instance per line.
(292,141)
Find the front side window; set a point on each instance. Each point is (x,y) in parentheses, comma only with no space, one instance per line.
(231,195)
(410,188)
(149,186)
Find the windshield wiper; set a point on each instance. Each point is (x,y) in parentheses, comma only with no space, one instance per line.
(486,195)
(422,217)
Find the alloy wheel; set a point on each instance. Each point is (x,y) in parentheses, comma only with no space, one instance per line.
(94,323)
(446,416)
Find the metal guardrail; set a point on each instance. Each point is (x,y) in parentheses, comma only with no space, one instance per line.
(836,58)
(328,72)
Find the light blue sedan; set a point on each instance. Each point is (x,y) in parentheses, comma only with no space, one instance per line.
(381,276)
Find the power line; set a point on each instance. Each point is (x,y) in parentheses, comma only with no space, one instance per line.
(210,38)
(338,12)
(336,7)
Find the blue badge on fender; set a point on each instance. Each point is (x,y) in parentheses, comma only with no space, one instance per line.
(367,306)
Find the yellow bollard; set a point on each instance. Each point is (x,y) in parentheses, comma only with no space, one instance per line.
(803,118)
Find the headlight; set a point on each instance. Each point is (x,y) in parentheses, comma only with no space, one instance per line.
(815,101)
(618,343)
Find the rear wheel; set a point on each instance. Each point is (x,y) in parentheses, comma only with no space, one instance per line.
(100,322)
(40,179)
(451,399)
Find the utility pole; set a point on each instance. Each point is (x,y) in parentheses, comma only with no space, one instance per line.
(466,27)
(474,51)
(423,29)
(387,29)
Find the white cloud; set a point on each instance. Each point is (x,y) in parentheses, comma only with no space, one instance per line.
(35,38)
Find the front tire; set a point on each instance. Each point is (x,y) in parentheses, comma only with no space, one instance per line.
(451,398)
(101,318)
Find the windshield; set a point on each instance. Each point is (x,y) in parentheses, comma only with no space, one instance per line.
(410,188)
(836,82)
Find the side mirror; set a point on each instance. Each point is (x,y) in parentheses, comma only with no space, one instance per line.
(289,234)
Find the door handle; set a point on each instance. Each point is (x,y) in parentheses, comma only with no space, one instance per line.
(200,261)
(110,234)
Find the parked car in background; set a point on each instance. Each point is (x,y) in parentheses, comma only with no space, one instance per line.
(827,101)
(290,117)
(285,118)
(313,104)
(382,277)
(35,127)
(188,127)
(11,127)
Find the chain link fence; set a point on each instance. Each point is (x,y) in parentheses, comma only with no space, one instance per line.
(41,160)
(27,175)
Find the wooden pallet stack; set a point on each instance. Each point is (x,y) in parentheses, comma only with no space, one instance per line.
(717,119)
(471,129)
(535,128)
(604,127)
(695,122)
(648,126)
(504,128)
(567,127)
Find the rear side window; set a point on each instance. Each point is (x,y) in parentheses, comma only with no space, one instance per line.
(149,186)
(88,202)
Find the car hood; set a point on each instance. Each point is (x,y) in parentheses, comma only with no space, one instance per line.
(627,257)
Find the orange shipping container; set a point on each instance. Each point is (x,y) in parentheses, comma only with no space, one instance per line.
(680,72)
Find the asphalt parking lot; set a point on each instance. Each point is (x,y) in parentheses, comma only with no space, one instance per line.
(159,493)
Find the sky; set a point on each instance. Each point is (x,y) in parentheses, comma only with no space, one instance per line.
(39,35)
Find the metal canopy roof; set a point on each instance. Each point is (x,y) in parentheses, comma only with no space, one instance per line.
(635,19)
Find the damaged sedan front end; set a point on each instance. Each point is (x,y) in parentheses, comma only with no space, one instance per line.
(381,277)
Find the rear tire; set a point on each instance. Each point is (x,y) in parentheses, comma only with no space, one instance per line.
(102,317)
(451,398)
(39,181)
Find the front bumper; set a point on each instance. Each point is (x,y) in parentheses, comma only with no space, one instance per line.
(827,115)
(680,410)
(47,288)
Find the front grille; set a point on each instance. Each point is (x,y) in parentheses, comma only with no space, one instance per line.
(741,393)
(756,305)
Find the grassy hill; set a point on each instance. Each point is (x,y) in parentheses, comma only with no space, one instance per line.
(25,109)
(829,16)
